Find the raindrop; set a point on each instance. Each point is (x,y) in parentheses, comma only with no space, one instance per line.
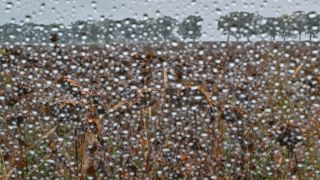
(9,6)
(312,15)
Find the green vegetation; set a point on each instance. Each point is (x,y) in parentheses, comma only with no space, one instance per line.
(161,29)
(245,24)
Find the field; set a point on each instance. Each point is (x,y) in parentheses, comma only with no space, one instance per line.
(172,111)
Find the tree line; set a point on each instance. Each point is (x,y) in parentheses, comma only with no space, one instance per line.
(161,29)
(245,25)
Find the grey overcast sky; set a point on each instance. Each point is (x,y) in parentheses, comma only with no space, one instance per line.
(66,11)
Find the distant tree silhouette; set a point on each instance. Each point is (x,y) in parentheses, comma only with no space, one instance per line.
(312,24)
(224,25)
(244,24)
(285,26)
(54,38)
(165,26)
(298,22)
(270,27)
(190,27)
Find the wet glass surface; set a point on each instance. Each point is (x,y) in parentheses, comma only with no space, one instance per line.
(159,89)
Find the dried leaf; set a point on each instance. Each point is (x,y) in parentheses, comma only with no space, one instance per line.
(207,95)
(278,158)
(89,139)
(297,70)
(45,136)
(92,119)
(71,82)
(165,78)
(143,142)
(184,157)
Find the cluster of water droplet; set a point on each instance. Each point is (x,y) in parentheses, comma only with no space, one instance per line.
(154,118)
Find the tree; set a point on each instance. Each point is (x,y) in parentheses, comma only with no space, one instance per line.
(54,38)
(108,28)
(236,24)
(285,26)
(11,32)
(298,22)
(94,32)
(80,30)
(165,26)
(239,24)
(190,27)
(271,27)
(129,28)
(224,25)
(312,24)
(249,24)
(27,32)
(148,30)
